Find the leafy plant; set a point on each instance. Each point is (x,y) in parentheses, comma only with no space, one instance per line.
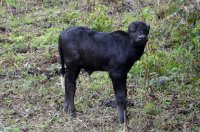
(99,20)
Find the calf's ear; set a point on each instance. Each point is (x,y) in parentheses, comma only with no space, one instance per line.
(148,26)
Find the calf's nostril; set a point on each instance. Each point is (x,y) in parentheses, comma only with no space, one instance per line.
(142,37)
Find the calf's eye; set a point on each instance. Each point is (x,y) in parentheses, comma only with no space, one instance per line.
(145,31)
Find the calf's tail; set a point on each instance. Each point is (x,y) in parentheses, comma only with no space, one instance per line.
(62,70)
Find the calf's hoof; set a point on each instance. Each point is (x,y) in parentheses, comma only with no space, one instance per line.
(123,118)
(72,113)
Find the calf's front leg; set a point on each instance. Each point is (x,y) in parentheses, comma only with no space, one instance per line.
(119,85)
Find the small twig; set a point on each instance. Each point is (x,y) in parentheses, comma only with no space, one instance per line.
(53,117)
(1,124)
(82,122)
(50,121)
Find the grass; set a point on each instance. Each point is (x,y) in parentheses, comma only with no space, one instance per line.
(163,87)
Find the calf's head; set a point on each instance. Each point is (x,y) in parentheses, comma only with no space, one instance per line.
(138,33)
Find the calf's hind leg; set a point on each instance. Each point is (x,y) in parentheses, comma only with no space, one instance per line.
(70,89)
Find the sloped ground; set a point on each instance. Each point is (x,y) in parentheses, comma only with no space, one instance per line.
(163,87)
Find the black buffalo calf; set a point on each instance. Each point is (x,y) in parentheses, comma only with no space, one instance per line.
(115,52)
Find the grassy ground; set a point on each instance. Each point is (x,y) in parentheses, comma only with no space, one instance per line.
(163,87)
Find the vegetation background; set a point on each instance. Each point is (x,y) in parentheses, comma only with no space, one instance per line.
(163,87)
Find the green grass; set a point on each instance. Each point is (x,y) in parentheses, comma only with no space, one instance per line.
(163,86)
